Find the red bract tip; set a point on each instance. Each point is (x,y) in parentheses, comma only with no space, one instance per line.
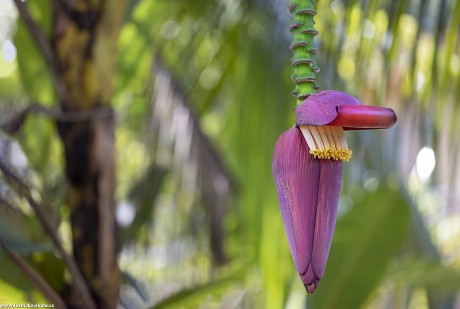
(364,117)
(335,108)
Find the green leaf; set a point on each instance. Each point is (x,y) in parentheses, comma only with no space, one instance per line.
(365,241)
(34,72)
(22,234)
(14,285)
(50,267)
(423,272)
(143,194)
(11,293)
(136,285)
(193,297)
(19,244)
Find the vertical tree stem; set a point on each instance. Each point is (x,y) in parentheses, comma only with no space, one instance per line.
(303,47)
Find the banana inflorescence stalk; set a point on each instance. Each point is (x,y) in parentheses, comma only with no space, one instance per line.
(307,162)
(303,47)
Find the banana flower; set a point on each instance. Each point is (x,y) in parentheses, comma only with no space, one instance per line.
(307,168)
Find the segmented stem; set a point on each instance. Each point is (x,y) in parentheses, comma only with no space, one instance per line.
(303,47)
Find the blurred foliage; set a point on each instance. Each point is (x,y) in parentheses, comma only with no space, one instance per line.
(359,260)
(227,100)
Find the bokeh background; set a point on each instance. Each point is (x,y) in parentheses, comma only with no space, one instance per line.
(202,91)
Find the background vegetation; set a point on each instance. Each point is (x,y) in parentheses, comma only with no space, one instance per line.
(201,93)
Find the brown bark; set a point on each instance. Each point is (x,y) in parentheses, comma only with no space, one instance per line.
(84,43)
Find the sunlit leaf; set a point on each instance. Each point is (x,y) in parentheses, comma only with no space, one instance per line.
(11,293)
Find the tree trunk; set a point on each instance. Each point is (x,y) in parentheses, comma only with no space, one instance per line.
(84,41)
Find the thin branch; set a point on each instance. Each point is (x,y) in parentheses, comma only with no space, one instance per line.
(72,116)
(22,189)
(44,46)
(14,122)
(35,278)
(36,31)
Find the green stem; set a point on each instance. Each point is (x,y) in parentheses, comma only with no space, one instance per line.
(303,47)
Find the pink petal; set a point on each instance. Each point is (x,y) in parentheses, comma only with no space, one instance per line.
(296,176)
(321,108)
(328,200)
(308,193)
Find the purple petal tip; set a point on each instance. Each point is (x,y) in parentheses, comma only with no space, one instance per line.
(310,288)
(310,281)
